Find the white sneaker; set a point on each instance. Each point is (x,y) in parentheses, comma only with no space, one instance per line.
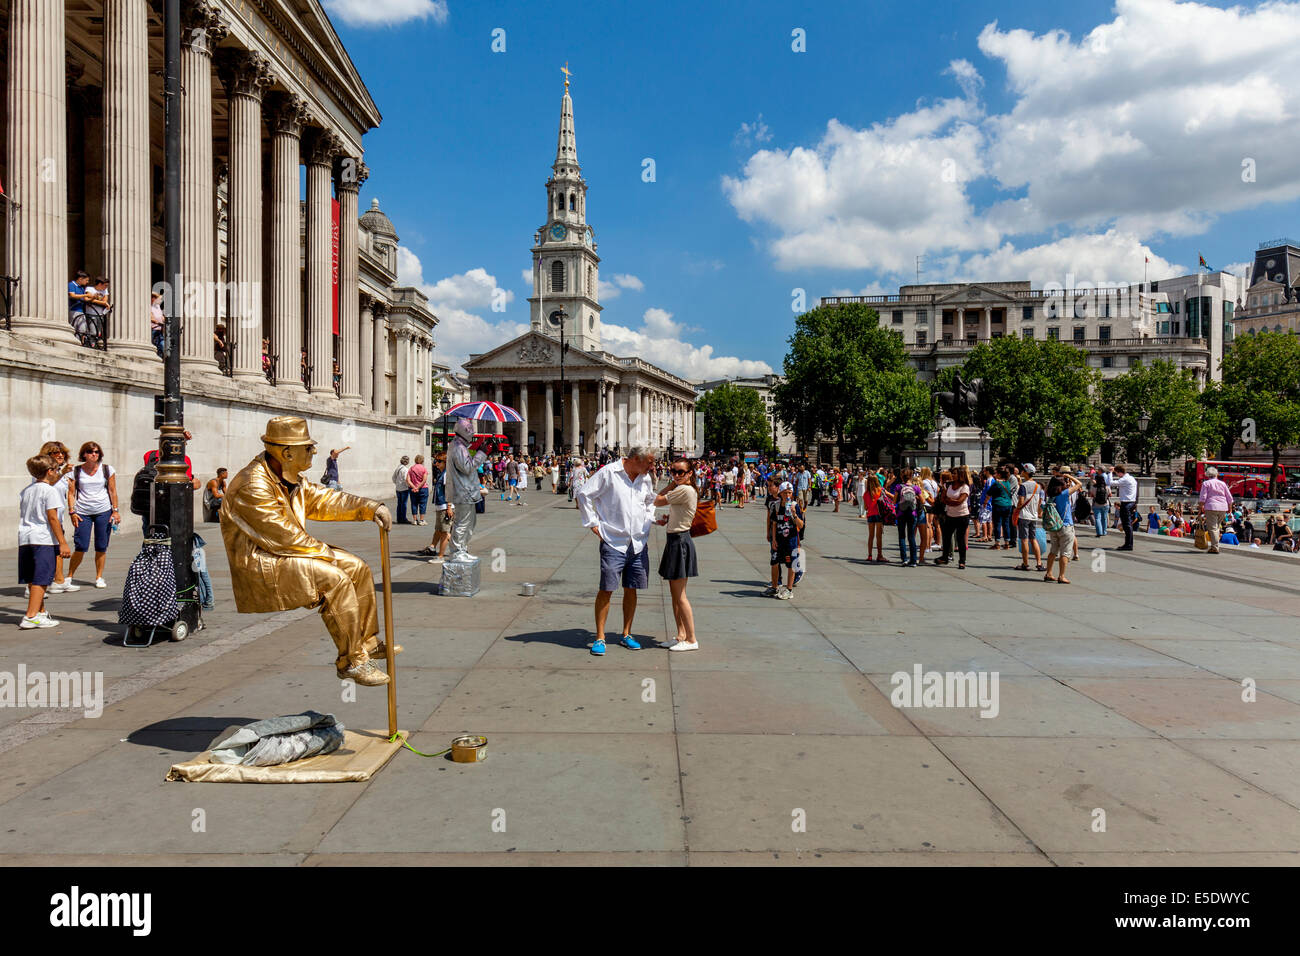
(58,587)
(28,623)
(45,616)
(685,646)
(435,560)
(100,583)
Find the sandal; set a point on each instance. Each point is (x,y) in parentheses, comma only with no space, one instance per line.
(1048,577)
(1023,567)
(1040,568)
(1062,580)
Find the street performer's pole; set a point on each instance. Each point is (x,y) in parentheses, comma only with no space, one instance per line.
(172,478)
(387,569)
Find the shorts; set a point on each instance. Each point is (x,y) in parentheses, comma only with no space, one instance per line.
(513,482)
(100,522)
(1062,542)
(627,568)
(873,519)
(36,564)
(1026,529)
(441,523)
(782,556)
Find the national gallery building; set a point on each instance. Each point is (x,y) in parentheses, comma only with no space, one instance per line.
(289,296)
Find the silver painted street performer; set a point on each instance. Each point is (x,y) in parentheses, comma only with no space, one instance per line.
(275,564)
(463,486)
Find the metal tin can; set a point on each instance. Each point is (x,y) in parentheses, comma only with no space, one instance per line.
(529,589)
(469,749)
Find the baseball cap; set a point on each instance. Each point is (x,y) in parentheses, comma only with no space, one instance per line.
(786,486)
(1030,469)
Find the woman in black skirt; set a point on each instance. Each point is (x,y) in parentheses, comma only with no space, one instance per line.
(678,562)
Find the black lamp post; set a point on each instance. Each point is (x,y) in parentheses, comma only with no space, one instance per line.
(984,454)
(938,432)
(1048,428)
(1144,421)
(445,404)
(564,347)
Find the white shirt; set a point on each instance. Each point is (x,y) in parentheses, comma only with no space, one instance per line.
(1032,495)
(1128,489)
(33,520)
(621,508)
(92,493)
(399,478)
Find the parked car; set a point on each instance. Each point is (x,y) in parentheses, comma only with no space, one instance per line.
(1172,490)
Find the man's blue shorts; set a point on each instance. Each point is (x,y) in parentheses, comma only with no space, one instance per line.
(628,569)
(36,564)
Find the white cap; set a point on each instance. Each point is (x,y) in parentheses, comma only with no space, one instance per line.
(786,486)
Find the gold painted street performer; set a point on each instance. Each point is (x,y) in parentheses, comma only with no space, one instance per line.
(276,565)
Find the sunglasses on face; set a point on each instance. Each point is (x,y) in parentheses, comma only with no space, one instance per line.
(680,471)
(94,451)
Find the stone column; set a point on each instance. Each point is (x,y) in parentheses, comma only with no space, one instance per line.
(548,412)
(127,170)
(322,146)
(402,405)
(379,350)
(246,77)
(523,413)
(986,325)
(286,115)
(202,29)
(348,179)
(37,184)
(366,333)
(961,326)
(497,399)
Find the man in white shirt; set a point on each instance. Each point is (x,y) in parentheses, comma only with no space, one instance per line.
(403,488)
(1126,486)
(618,504)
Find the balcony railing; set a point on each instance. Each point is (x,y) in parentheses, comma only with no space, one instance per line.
(931,298)
(1163,341)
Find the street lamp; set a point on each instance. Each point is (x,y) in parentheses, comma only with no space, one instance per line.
(938,433)
(984,455)
(562,316)
(1144,420)
(1048,428)
(445,404)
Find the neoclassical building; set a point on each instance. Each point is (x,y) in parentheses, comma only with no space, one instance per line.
(288,299)
(603,400)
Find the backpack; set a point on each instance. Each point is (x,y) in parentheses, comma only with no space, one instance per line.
(142,487)
(906,501)
(886,508)
(1082,508)
(1052,520)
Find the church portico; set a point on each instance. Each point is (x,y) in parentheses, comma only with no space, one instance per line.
(574,396)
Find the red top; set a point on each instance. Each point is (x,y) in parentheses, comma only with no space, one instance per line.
(150,457)
(416,475)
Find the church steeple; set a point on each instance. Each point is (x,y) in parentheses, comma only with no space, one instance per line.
(565,265)
(566,147)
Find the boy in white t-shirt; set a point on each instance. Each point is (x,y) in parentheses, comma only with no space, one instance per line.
(40,538)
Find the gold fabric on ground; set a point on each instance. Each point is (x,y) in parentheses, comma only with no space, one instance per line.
(363,754)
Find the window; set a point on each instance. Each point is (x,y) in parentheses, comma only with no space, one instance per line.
(1104,332)
(1106,361)
(947,318)
(573,202)
(1134,361)
(898,317)
(947,338)
(591,281)
(922,316)
(1054,332)
(1027,313)
(557,276)
(1177,308)
(1027,333)
(920,337)
(972,338)
(997,335)
(1078,334)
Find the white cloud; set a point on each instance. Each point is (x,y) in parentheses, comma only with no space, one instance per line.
(1137,130)
(386,13)
(752,134)
(618,282)
(1112,257)
(527,276)
(457,301)
(659,341)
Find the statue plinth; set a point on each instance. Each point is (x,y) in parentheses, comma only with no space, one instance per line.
(460,577)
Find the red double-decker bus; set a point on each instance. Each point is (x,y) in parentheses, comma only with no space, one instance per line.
(1245,479)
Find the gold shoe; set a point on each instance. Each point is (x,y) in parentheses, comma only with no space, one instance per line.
(365,673)
(380,652)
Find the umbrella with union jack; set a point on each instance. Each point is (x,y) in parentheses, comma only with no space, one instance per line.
(484,412)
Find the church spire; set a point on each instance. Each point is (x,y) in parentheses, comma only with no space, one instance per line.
(566,148)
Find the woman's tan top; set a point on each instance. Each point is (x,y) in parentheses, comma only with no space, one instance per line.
(681,508)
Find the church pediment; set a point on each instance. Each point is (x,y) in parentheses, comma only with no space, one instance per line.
(531,349)
(977,294)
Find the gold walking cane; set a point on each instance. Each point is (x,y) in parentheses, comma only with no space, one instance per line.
(388,632)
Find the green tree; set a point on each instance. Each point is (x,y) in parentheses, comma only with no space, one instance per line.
(839,357)
(894,414)
(1261,387)
(1028,383)
(1219,420)
(1169,396)
(734,420)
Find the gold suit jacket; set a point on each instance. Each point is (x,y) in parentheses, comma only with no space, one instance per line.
(263,524)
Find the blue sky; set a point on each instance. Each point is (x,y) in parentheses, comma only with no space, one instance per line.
(999,140)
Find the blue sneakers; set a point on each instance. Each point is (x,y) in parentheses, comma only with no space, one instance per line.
(630,642)
(598,648)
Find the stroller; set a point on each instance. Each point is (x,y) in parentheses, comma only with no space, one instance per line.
(150,602)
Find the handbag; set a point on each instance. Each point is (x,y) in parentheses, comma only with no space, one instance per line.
(705,520)
(1202,536)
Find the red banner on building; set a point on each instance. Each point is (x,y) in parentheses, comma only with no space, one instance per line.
(334,260)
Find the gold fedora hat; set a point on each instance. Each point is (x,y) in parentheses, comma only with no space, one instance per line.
(287,430)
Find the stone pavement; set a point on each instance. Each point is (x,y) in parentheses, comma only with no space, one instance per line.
(775,743)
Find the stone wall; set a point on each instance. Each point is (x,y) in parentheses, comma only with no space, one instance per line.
(75,395)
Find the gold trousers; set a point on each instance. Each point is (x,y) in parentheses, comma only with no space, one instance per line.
(346,590)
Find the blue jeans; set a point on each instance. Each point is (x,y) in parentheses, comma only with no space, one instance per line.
(907,538)
(1002,524)
(1099,515)
(402,498)
(419,502)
